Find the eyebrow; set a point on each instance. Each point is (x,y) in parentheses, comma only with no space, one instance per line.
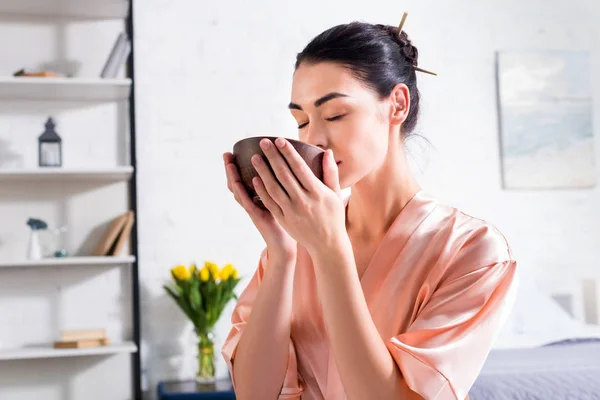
(320,101)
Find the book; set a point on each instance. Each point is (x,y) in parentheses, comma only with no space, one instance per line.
(107,242)
(82,334)
(76,344)
(123,236)
(119,52)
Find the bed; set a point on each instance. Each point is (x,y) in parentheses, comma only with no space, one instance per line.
(543,352)
(564,370)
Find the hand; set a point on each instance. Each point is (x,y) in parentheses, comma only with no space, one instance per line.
(311,211)
(279,243)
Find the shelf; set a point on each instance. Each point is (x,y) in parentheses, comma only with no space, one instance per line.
(50,352)
(65,89)
(79,261)
(67,174)
(76,9)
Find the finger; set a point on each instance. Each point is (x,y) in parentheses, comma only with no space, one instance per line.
(282,170)
(228,180)
(227,160)
(236,196)
(266,199)
(232,175)
(330,172)
(272,186)
(300,169)
(242,197)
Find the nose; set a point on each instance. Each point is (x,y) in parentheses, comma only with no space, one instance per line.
(316,136)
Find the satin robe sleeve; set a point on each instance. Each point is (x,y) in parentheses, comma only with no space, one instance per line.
(291,389)
(457,319)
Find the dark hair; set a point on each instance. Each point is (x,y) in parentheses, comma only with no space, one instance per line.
(375,54)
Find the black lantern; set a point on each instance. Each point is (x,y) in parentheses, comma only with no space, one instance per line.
(50,152)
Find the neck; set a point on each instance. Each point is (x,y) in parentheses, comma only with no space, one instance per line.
(378,198)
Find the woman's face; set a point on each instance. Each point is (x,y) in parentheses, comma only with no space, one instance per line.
(335,111)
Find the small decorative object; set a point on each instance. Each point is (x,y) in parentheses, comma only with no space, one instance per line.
(39,74)
(59,242)
(244,149)
(35,248)
(50,146)
(202,295)
(546,113)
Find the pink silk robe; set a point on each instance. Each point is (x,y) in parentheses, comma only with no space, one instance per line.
(439,287)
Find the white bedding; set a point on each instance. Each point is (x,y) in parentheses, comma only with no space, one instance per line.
(536,319)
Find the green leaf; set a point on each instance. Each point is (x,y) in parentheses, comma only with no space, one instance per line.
(195,299)
(171,292)
(218,297)
(174,277)
(180,302)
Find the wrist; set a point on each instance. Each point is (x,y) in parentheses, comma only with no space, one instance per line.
(333,250)
(283,257)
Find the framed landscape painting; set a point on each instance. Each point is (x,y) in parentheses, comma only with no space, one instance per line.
(546,130)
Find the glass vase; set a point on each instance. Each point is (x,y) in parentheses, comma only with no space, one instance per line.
(206,357)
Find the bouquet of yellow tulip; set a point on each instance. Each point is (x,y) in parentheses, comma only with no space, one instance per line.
(202,294)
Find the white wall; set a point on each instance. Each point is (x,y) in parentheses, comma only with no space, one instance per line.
(35,303)
(209,74)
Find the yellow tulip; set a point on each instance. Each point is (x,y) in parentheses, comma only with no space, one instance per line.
(226,272)
(213,268)
(234,274)
(181,272)
(204,274)
(224,275)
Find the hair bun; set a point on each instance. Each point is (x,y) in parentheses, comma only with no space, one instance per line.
(409,51)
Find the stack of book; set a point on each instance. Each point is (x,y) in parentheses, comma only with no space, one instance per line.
(73,339)
(116,235)
(117,57)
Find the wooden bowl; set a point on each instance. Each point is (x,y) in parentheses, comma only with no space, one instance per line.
(244,149)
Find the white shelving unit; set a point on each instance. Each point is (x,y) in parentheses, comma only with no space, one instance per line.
(64,89)
(50,352)
(80,90)
(65,174)
(73,9)
(74,261)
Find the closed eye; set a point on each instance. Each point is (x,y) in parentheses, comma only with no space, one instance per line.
(331,119)
(336,118)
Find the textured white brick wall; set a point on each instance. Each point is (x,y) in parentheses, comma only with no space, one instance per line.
(210,73)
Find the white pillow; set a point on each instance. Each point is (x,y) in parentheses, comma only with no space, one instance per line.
(536,319)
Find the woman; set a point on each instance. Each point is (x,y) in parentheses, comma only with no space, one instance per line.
(386,294)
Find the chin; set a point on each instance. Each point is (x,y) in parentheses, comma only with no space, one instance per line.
(344,181)
(348,179)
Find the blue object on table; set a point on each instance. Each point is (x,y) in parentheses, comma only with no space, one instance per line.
(222,389)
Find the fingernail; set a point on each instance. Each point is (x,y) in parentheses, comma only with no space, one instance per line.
(256,159)
(280,142)
(265,143)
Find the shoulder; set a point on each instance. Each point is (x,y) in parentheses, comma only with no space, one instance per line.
(473,243)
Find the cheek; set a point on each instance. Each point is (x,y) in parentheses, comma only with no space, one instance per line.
(370,137)
(364,145)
